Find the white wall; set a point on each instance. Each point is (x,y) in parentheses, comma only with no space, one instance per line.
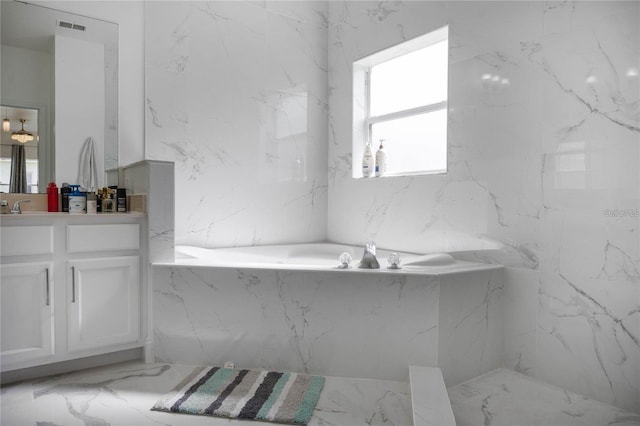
(27,81)
(236,96)
(79,104)
(129,15)
(27,77)
(533,164)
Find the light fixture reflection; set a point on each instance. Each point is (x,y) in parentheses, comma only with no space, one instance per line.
(6,123)
(22,135)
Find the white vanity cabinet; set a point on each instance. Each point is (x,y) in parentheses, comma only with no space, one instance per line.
(71,287)
(26,309)
(104,299)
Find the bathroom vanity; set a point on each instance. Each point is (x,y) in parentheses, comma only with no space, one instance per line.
(71,286)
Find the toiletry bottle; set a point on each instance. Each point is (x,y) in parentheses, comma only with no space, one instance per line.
(77,200)
(65,190)
(107,201)
(91,203)
(381,160)
(52,197)
(99,201)
(113,196)
(367,161)
(122,200)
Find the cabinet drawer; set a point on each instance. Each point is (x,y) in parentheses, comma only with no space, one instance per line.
(21,240)
(89,238)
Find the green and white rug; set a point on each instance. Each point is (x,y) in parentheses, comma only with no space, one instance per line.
(245,394)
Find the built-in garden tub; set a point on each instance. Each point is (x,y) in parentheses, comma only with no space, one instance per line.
(290,307)
(316,257)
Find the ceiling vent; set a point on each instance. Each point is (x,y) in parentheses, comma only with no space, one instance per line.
(71,26)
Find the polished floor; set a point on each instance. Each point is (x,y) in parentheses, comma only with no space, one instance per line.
(123,394)
(506,398)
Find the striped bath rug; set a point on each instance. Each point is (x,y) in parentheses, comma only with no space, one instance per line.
(245,394)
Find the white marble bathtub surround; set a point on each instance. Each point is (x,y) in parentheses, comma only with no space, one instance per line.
(543,151)
(237,97)
(470,326)
(351,325)
(520,298)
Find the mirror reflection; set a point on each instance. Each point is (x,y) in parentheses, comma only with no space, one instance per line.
(63,68)
(19,146)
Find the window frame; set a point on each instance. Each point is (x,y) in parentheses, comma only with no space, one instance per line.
(363,121)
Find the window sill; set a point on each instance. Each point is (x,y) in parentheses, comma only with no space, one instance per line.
(402,174)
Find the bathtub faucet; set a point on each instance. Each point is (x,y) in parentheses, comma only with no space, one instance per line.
(369,260)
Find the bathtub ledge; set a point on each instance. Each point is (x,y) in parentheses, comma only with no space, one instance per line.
(458,268)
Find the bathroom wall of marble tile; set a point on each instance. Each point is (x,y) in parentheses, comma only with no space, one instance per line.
(543,154)
(543,173)
(236,95)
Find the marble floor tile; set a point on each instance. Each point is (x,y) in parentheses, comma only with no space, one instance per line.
(17,406)
(506,398)
(123,394)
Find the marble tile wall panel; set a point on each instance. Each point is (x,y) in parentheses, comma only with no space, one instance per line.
(520,301)
(470,326)
(543,173)
(156,180)
(236,96)
(322,323)
(543,167)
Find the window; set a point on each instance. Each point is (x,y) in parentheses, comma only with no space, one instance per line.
(400,96)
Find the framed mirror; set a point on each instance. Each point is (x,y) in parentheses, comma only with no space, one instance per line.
(64,67)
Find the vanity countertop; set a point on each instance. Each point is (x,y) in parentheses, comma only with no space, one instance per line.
(31,214)
(32,218)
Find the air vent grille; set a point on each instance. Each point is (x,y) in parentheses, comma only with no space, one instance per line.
(71,26)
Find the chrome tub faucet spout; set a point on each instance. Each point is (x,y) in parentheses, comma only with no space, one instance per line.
(369,260)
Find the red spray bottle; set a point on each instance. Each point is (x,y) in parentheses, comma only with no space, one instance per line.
(52,197)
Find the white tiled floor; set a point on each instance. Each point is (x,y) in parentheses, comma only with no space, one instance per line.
(506,398)
(123,394)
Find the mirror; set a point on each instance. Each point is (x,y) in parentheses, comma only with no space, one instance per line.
(19,150)
(65,67)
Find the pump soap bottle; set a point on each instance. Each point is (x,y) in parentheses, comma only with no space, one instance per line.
(381,160)
(77,200)
(367,161)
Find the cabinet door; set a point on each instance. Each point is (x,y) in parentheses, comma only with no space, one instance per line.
(26,312)
(103,302)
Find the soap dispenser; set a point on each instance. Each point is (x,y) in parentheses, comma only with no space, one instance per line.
(367,161)
(381,160)
(77,200)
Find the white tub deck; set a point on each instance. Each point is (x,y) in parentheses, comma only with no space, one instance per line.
(318,257)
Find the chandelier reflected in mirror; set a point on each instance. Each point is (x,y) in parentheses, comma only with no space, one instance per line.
(22,135)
